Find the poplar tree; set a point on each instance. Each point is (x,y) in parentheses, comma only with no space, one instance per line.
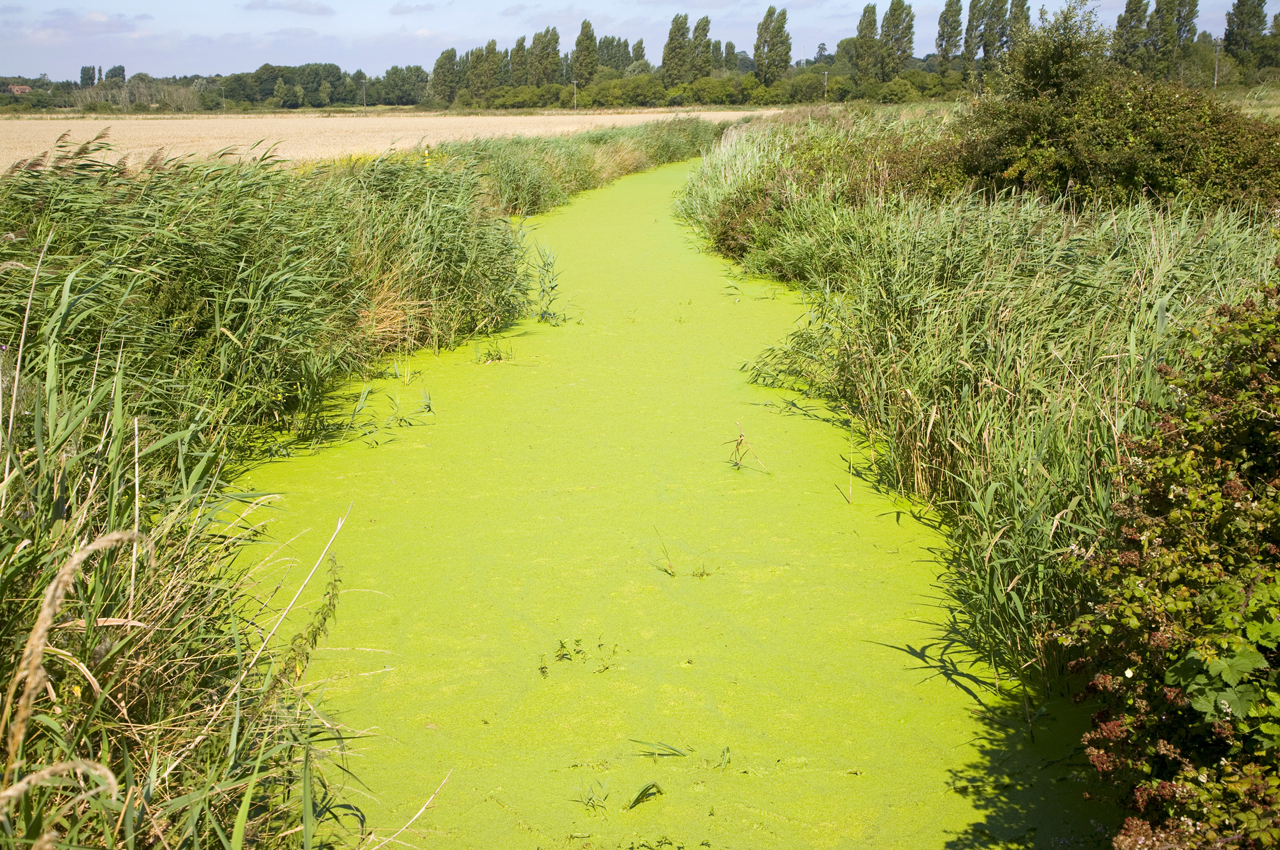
(897,37)
(1019,18)
(519,63)
(87,76)
(730,56)
(637,51)
(772,53)
(613,52)
(675,53)
(1130,33)
(482,75)
(585,58)
(444,76)
(1243,36)
(947,43)
(779,46)
(544,57)
(995,32)
(973,34)
(866,46)
(700,53)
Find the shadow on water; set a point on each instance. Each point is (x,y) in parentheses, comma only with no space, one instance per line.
(1029,777)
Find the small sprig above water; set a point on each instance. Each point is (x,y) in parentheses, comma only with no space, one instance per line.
(595,797)
(658,750)
(742,448)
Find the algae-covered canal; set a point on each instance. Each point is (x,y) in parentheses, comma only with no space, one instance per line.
(560,589)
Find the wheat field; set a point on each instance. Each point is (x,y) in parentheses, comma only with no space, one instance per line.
(307,136)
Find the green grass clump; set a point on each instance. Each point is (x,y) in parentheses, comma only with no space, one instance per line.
(156,323)
(528,175)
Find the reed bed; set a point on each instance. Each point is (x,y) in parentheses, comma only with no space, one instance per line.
(161,327)
(994,351)
(528,175)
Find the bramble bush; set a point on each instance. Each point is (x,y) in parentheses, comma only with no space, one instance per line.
(1184,644)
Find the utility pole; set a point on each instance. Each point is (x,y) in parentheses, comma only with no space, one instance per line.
(364,101)
(824,86)
(575,93)
(1217,42)
(223,89)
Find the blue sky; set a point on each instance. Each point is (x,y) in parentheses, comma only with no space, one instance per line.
(226,36)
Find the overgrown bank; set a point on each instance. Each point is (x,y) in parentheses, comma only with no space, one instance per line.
(161,326)
(1002,350)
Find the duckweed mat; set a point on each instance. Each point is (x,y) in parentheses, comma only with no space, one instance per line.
(623,598)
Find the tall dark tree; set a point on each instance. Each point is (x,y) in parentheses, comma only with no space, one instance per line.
(717,54)
(614,52)
(585,58)
(1129,35)
(897,38)
(675,53)
(730,56)
(637,51)
(482,75)
(1243,36)
(866,45)
(773,47)
(973,35)
(520,63)
(544,57)
(1184,26)
(950,28)
(445,79)
(403,86)
(995,32)
(87,76)
(116,72)
(700,49)
(1019,19)
(780,45)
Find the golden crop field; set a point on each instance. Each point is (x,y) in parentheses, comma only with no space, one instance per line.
(305,136)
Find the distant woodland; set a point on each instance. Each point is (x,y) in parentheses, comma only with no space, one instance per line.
(875,63)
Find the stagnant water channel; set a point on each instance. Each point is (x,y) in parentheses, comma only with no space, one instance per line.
(560,589)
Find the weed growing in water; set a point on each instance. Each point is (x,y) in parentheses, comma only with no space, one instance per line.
(742,448)
(595,797)
(547,274)
(659,750)
(645,794)
(493,352)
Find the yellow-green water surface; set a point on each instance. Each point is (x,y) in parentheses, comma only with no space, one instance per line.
(510,615)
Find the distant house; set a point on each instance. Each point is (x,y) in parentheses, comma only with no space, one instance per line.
(19,89)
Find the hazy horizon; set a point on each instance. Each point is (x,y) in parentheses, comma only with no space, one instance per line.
(165,39)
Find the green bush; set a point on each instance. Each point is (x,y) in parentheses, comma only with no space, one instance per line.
(1184,643)
(1066,121)
(898,90)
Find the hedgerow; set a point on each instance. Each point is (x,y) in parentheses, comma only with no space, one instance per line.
(1184,643)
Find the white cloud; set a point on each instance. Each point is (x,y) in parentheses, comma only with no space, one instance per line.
(301,7)
(415,9)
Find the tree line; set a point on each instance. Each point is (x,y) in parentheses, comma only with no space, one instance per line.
(875,63)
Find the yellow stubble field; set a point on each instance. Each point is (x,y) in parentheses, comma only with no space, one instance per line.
(305,136)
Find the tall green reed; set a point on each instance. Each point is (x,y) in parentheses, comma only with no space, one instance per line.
(154,320)
(528,175)
(995,352)
(159,324)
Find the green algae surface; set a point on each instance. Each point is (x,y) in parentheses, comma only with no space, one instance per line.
(624,598)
